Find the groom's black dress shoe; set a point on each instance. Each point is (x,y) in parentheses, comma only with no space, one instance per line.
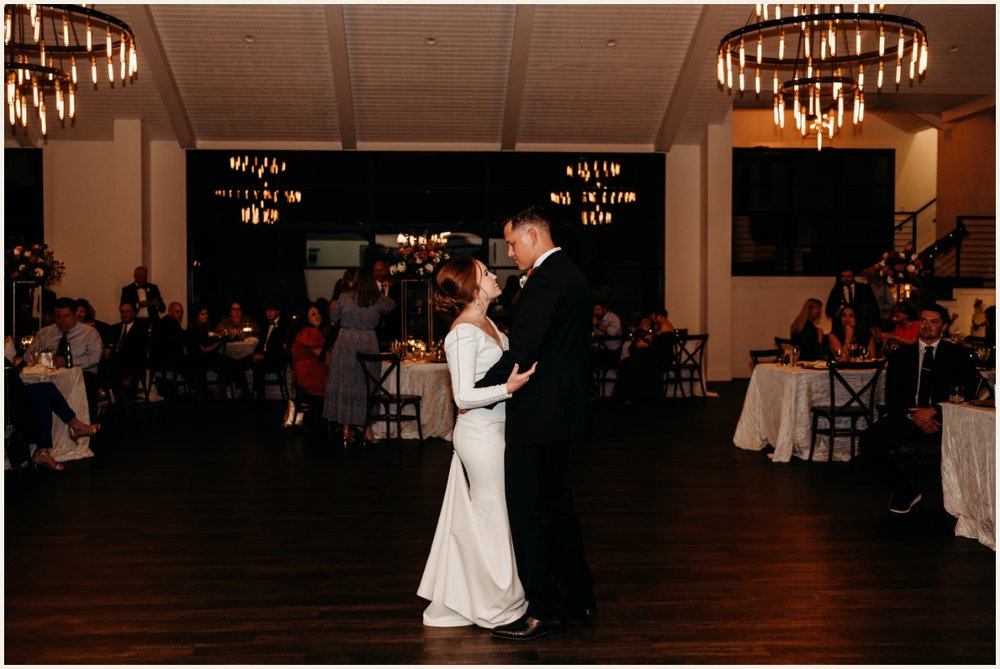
(526,628)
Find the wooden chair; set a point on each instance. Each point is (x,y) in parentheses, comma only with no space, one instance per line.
(385,402)
(688,365)
(859,404)
(760,355)
(605,360)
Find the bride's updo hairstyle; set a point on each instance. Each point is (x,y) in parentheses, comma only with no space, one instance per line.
(456,286)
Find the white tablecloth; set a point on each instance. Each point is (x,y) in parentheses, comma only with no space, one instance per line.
(968,470)
(432,382)
(70,384)
(777,410)
(238,350)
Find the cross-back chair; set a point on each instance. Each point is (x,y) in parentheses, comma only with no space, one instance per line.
(759,355)
(859,404)
(385,401)
(688,365)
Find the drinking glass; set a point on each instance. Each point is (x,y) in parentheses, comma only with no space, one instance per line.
(956,394)
(794,355)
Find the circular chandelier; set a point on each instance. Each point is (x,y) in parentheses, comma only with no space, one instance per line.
(595,199)
(262,198)
(826,70)
(42,44)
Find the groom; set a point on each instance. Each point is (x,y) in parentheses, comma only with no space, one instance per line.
(551,325)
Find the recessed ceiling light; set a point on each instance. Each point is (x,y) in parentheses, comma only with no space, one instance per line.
(611,42)
(249,39)
(430,41)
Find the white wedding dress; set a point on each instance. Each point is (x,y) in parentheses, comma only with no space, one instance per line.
(471,575)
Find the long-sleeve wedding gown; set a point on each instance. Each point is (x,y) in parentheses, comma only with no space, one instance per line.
(471,575)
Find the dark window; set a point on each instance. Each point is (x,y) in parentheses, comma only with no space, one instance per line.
(802,212)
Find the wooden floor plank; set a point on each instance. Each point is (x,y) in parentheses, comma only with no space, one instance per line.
(202,533)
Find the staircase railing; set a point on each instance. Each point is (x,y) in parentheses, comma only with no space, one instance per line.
(905,230)
(967,253)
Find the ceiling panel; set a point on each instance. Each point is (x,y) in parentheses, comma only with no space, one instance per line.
(278,87)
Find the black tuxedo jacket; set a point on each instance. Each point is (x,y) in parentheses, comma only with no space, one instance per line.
(130,294)
(551,325)
(130,353)
(953,366)
(864,299)
(275,349)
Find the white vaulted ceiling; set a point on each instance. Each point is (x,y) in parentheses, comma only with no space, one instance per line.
(496,77)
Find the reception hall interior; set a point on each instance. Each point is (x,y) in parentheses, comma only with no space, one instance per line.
(245,162)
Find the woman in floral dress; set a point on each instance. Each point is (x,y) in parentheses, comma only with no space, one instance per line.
(358,312)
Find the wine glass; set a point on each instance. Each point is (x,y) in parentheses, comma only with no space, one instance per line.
(794,354)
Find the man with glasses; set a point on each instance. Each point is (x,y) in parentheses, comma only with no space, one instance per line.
(919,377)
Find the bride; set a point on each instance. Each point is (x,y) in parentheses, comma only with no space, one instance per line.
(471,577)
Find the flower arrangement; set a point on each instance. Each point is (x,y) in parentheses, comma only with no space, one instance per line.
(35,263)
(901,267)
(419,256)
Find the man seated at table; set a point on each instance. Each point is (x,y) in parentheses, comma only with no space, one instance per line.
(167,346)
(270,354)
(919,378)
(125,353)
(82,340)
(606,325)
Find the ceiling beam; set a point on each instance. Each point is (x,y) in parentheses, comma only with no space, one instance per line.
(343,91)
(148,38)
(978,106)
(933,120)
(702,43)
(517,73)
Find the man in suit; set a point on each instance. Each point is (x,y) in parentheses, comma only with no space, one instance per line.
(125,353)
(144,297)
(919,378)
(848,292)
(270,352)
(551,326)
(390,325)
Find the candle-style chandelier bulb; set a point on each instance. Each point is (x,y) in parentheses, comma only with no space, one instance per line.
(834,46)
(43,43)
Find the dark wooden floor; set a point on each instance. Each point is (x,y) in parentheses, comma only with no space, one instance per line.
(202,533)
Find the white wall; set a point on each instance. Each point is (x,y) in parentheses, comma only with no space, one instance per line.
(764,308)
(110,206)
(167,235)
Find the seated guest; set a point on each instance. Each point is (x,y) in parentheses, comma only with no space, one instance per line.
(85,313)
(82,341)
(168,343)
(849,333)
(907,329)
(606,324)
(31,407)
(640,375)
(46,400)
(804,332)
(205,348)
(270,353)
(919,379)
(307,348)
(125,352)
(236,325)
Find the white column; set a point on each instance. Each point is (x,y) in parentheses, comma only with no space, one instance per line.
(718,191)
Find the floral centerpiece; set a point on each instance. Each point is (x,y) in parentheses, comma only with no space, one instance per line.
(902,271)
(901,267)
(35,263)
(419,256)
